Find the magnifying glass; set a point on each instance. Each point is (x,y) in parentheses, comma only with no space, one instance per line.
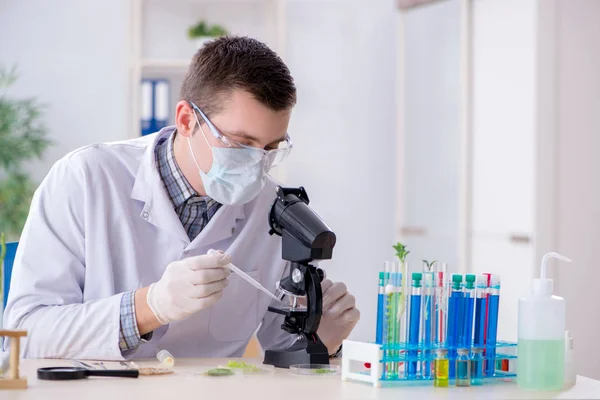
(71,373)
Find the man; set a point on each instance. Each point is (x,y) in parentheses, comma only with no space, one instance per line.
(113,262)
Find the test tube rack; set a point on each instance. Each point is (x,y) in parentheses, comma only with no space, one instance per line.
(367,362)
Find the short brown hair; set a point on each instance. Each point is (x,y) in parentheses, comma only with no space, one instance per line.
(237,62)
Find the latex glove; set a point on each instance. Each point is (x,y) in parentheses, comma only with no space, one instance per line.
(188,286)
(340,314)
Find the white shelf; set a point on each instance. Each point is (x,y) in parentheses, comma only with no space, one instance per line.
(220,2)
(166,64)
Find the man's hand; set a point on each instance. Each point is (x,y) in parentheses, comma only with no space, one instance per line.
(340,314)
(186,287)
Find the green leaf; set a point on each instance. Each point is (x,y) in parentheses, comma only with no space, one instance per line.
(219,372)
(216,31)
(2,255)
(429,264)
(401,251)
(16,191)
(203,29)
(242,365)
(324,371)
(23,137)
(2,249)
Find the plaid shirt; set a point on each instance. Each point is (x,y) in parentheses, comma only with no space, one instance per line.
(194,212)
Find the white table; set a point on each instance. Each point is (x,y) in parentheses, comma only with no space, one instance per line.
(280,385)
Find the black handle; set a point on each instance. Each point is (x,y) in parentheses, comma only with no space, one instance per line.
(119,373)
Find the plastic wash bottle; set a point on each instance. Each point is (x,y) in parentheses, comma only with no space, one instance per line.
(541,342)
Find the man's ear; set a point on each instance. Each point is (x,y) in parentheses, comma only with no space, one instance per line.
(185,119)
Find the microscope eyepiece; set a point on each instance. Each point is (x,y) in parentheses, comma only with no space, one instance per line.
(305,237)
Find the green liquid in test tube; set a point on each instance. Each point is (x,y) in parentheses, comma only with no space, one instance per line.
(393,291)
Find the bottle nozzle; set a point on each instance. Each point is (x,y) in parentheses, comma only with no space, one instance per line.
(543,285)
(545,262)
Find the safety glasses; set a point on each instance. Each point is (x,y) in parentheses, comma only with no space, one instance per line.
(271,157)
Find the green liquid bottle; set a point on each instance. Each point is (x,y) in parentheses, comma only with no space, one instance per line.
(541,345)
(541,364)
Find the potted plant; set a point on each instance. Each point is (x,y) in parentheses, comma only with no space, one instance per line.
(22,137)
(2,255)
(203,32)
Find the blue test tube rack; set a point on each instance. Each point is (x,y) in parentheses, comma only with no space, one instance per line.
(366,362)
(457,325)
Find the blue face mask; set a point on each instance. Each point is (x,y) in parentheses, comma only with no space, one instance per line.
(236,176)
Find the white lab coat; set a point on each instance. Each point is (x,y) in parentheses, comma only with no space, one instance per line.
(101,224)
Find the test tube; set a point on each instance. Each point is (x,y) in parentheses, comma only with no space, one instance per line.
(390,339)
(441,306)
(397,315)
(441,368)
(492,327)
(469,305)
(477,366)
(480,312)
(403,309)
(414,323)
(455,304)
(383,280)
(463,368)
(428,316)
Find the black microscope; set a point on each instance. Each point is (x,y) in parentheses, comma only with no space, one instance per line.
(305,238)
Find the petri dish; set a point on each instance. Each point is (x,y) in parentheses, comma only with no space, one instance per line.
(315,369)
(216,372)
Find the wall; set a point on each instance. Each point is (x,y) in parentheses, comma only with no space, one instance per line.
(74,64)
(342,56)
(578,205)
(503,195)
(341,53)
(429,217)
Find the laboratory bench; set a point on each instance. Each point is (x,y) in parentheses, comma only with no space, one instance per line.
(184,383)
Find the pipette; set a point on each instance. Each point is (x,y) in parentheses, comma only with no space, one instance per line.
(246,277)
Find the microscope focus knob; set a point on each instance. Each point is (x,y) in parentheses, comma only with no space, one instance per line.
(297,276)
(321,273)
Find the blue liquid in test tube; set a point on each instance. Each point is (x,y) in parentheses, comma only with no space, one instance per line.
(469,308)
(480,312)
(494,305)
(414,323)
(455,311)
(383,280)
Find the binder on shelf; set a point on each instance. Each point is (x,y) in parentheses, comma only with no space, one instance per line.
(147,108)
(155,105)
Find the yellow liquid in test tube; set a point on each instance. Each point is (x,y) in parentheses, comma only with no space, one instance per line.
(441,372)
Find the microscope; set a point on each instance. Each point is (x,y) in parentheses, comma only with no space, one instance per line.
(305,238)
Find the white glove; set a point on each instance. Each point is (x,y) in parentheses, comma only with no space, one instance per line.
(340,315)
(188,286)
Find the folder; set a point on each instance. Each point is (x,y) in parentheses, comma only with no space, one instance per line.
(155,105)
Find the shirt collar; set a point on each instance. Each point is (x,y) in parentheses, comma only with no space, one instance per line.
(177,186)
